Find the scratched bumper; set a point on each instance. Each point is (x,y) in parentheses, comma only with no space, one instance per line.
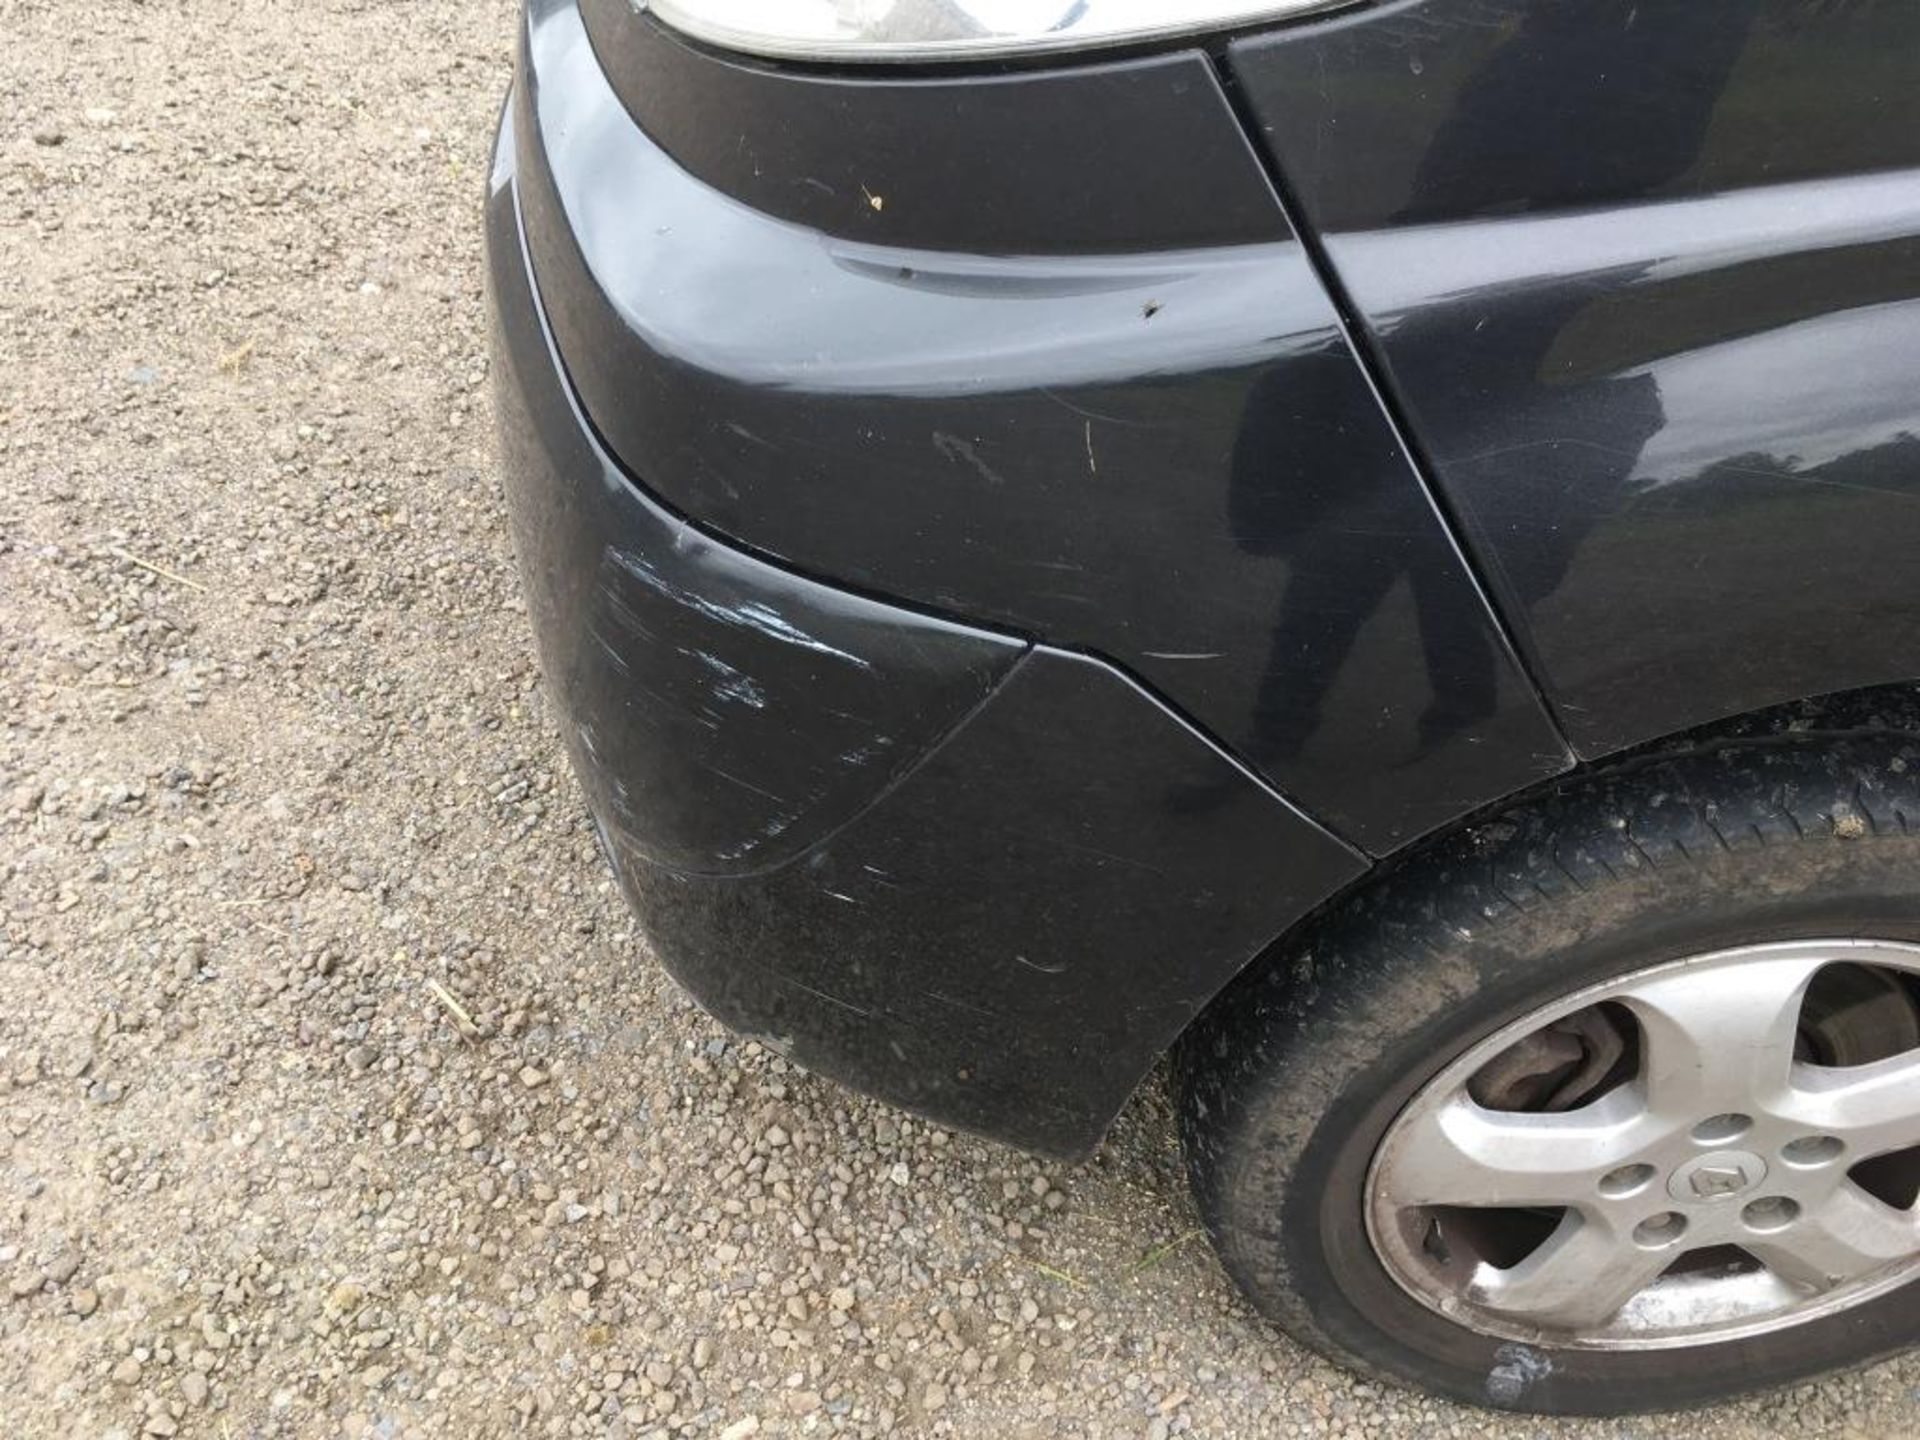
(987,880)
(727,714)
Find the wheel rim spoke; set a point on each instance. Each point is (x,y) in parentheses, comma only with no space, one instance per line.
(1874,1108)
(1580,1276)
(1850,1236)
(1720,1038)
(1462,1154)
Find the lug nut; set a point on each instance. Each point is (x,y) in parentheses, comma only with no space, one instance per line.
(1657,1232)
(1719,1129)
(1810,1151)
(1627,1180)
(1773,1212)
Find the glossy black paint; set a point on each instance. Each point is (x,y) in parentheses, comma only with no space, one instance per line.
(726,714)
(1166,457)
(1646,278)
(983,880)
(1010,164)
(1010,940)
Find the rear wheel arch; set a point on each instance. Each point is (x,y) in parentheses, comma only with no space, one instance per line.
(1327,1035)
(1826,720)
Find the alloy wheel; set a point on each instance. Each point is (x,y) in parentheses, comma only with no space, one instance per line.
(1702,1150)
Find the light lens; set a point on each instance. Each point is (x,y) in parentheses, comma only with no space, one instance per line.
(859,31)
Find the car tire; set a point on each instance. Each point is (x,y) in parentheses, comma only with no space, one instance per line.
(1293,1079)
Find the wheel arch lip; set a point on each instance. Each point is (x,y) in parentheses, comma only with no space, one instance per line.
(1869,713)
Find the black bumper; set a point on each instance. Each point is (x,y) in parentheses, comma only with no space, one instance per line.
(985,879)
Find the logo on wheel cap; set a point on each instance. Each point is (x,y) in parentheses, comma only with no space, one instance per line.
(1719,1176)
(1713,1180)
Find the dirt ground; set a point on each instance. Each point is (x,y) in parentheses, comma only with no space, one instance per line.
(338,1096)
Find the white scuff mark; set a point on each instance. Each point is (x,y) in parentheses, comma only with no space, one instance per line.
(1055,969)
(769,621)
(743,690)
(954,448)
(732,685)
(753,614)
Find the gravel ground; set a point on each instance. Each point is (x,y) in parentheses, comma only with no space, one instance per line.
(339,1096)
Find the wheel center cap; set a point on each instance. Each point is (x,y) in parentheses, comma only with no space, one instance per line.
(1722,1175)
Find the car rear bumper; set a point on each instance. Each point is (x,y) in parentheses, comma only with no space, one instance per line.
(983,878)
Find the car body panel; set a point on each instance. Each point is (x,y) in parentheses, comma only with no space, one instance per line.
(1645,280)
(1014,163)
(1166,457)
(998,914)
(990,600)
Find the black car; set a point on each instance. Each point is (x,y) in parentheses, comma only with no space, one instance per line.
(1374,547)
